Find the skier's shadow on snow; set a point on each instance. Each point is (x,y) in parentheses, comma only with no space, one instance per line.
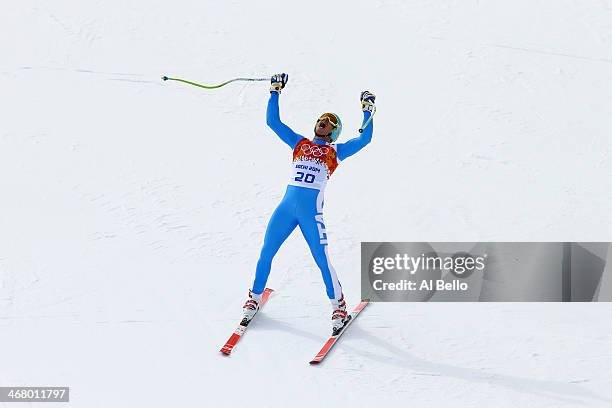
(559,390)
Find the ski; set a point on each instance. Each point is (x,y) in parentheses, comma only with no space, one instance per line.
(239,332)
(333,339)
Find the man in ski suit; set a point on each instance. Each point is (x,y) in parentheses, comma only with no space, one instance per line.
(314,161)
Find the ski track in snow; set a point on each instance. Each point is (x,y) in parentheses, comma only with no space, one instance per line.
(133,210)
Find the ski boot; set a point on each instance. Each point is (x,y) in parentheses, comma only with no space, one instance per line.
(250,308)
(339,316)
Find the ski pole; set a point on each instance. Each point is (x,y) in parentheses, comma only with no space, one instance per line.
(165,78)
(365,125)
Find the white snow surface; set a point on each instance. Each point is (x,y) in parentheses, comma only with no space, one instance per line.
(133,210)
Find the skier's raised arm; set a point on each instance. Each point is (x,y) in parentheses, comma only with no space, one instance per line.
(354,145)
(273,120)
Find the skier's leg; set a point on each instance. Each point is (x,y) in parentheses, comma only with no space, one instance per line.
(313,228)
(280,226)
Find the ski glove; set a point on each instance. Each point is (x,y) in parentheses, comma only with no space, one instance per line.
(278,82)
(367,101)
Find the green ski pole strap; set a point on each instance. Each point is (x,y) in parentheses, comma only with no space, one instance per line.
(365,125)
(166,78)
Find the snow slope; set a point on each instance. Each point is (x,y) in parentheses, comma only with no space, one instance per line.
(132,210)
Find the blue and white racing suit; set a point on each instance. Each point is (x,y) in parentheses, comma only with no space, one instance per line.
(313,164)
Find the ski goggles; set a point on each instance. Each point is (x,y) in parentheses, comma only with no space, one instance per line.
(333,119)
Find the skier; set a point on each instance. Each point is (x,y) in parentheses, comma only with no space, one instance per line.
(314,161)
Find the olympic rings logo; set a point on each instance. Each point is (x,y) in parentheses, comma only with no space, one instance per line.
(316,151)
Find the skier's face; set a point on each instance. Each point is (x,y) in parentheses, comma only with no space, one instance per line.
(324,126)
